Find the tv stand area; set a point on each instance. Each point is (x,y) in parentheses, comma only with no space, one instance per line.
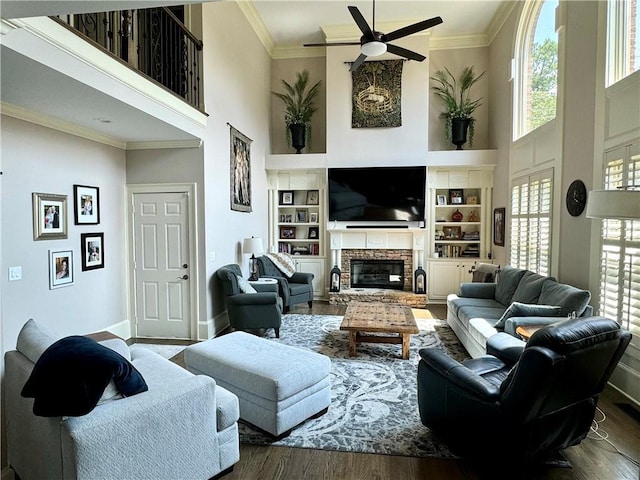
(369,227)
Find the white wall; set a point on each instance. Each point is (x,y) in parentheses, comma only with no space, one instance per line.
(237,91)
(37,159)
(355,147)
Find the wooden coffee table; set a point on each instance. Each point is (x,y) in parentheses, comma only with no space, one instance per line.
(379,318)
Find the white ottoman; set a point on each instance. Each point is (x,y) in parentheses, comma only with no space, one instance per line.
(278,386)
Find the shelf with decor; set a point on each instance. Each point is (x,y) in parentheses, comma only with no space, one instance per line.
(297,220)
(460,230)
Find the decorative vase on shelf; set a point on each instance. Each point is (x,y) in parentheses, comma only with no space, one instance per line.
(457,216)
(459,128)
(473,217)
(298,132)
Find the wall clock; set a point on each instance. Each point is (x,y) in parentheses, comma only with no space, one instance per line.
(576,198)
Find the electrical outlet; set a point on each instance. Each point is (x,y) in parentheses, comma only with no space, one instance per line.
(15,273)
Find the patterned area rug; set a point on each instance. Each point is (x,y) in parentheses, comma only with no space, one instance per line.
(374,406)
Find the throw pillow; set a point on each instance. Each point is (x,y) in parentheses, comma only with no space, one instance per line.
(33,340)
(245,286)
(568,297)
(71,375)
(508,281)
(517,309)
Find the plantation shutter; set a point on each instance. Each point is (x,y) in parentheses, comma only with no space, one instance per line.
(531,222)
(620,260)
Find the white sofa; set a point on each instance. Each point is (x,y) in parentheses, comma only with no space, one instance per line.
(184,426)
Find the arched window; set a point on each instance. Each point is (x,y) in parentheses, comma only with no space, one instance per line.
(536,76)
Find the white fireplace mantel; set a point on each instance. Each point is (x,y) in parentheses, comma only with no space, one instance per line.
(377,239)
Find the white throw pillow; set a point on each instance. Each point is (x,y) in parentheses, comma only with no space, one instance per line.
(245,286)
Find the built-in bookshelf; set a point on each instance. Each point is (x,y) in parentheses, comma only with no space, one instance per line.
(298,222)
(458,222)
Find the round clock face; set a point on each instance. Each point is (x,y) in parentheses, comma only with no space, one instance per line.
(576,198)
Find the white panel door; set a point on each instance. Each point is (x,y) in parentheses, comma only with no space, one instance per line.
(161,270)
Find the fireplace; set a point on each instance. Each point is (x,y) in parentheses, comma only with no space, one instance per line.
(369,273)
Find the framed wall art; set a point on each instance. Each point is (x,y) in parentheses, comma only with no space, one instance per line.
(49,216)
(498,226)
(240,171)
(86,202)
(60,268)
(452,233)
(442,199)
(313,197)
(288,232)
(455,197)
(92,248)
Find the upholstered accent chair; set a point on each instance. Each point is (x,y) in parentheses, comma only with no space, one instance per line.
(522,412)
(293,290)
(257,307)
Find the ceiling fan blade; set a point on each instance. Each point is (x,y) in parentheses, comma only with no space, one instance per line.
(361,22)
(411,29)
(359,61)
(403,52)
(337,44)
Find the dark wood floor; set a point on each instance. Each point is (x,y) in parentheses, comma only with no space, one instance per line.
(590,460)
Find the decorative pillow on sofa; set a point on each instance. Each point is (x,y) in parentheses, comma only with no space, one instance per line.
(529,288)
(33,340)
(517,309)
(71,375)
(245,286)
(569,298)
(507,284)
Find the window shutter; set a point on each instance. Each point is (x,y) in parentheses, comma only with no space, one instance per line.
(531,222)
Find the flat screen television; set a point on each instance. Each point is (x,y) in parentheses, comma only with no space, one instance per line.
(377,194)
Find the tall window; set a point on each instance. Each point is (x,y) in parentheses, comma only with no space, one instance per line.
(536,76)
(620,260)
(531,222)
(623,39)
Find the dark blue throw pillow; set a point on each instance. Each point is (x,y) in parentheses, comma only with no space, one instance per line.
(71,375)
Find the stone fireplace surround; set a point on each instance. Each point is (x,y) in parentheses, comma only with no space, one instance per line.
(389,244)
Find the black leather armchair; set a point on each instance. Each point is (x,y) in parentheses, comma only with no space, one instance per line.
(489,407)
(250,310)
(293,290)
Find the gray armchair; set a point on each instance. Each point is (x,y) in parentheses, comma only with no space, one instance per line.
(250,310)
(293,290)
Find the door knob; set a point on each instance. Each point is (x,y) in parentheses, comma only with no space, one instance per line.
(184,265)
(184,277)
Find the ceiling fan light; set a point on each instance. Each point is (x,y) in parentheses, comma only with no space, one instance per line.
(373,49)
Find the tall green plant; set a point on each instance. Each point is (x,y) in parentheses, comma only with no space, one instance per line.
(455,93)
(299,106)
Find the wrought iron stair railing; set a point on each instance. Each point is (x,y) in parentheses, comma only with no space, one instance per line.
(153,41)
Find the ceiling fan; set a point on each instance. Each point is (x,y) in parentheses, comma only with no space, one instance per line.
(374,43)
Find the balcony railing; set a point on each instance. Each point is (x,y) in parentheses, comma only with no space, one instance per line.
(153,41)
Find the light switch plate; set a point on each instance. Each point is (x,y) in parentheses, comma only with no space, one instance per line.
(15,273)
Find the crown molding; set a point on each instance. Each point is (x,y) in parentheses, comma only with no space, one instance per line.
(158,145)
(499,19)
(59,125)
(280,53)
(459,41)
(255,21)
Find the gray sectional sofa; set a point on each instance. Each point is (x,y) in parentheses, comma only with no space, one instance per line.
(520,297)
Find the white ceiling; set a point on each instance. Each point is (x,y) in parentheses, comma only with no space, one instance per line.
(34,87)
(292,23)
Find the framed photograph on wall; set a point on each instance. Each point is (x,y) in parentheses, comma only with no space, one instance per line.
(60,268)
(240,154)
(49,216)
(86,202)
(92,248)
(498,226)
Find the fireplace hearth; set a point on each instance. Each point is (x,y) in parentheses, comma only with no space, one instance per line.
(370,273)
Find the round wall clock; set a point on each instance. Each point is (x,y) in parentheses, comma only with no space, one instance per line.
(576,198)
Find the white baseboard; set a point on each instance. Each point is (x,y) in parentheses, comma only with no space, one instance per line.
(121,329)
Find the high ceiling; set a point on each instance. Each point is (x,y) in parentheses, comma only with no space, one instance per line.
(289,24)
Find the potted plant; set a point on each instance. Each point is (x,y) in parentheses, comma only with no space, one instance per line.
(455,95)
(299,109)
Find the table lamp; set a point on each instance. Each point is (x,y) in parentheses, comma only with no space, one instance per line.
(253,246)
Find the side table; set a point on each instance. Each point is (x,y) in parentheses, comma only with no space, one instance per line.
(525,331)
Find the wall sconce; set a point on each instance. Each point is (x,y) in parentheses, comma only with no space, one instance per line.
(334,285)
(420,281)
(253,246)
